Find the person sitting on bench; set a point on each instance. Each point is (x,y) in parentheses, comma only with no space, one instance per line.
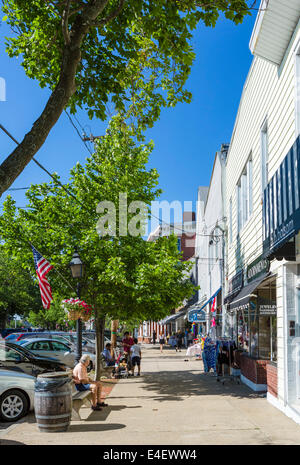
(109,360)
(84,383)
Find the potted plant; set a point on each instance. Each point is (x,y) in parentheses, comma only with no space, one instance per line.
(77,308)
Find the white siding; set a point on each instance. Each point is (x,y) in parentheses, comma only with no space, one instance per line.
(269,93)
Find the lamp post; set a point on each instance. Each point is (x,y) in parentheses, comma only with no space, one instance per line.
(77,269)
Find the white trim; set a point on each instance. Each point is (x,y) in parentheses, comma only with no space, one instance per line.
(253,386)
(257,25)
(287,410)
(297,89)
(284,314)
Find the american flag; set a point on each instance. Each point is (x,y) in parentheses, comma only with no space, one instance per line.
(43,267)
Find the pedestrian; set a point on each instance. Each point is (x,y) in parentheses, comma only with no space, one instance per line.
(84,383)
(179,342)
(127,342)
(136,356)
(186,338)
(154,337)
(161,342)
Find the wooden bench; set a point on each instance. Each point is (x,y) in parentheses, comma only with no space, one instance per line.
(85,397)
(78,399)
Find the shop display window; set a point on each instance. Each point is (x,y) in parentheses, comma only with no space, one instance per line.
(256,334)
(254,331)
(268,338)
(243,330)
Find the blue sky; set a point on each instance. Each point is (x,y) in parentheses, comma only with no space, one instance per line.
(186,137)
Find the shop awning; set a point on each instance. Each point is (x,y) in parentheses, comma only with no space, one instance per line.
(242,299)
(194,311)
(172,318)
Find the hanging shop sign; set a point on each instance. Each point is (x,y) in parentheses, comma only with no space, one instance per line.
(197,316)
(259,267)
(281,203)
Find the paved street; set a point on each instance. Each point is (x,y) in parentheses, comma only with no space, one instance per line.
(173,402)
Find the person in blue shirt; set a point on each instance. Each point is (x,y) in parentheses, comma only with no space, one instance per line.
(109,360)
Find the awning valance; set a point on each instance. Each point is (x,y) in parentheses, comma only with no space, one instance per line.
(242,299)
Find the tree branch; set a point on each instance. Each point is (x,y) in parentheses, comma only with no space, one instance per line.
(65,17)
(110,17)
(15,163)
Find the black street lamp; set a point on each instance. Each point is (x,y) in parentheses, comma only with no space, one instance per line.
(77,270)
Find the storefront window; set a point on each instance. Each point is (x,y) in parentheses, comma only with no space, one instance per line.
(267,322)
(254,329)
(243,330)
(268,338)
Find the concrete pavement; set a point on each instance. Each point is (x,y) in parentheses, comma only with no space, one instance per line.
(172,403)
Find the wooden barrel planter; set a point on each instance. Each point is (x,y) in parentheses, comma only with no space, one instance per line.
(53,402)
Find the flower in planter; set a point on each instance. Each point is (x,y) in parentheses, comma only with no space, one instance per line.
(77,308)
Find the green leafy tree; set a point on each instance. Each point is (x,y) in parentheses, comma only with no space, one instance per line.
(53,318)
(91,52)
(125,276)
(18,292)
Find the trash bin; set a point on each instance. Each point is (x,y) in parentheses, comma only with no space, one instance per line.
(53,401)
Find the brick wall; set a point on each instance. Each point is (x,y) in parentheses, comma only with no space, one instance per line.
(272,379)
(254,370)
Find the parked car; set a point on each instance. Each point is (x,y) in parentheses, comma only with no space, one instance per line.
(55,349)
(5,332)
(16,394)
(71,339)
(16,358)
(15,337)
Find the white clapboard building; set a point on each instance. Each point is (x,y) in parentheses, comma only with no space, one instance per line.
(262,292)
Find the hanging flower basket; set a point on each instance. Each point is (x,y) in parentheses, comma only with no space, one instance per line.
(77,309)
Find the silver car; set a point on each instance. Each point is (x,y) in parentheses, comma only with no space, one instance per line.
(54,349)
(71,339)
(16,394)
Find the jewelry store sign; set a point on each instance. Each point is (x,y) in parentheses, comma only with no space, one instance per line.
(267,310)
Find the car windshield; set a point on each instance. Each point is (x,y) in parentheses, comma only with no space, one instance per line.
(21,349)
(23,341)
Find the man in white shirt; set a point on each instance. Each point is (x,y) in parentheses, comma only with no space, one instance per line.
(136,357)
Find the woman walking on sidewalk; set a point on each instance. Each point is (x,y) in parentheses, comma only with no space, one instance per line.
(161,343)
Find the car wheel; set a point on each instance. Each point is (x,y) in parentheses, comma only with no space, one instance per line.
(13,405)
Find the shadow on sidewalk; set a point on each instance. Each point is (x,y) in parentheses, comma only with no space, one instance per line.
(176,385)
(85,427)
(7,442)
(103,415)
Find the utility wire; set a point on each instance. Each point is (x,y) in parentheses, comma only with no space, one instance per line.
(76,129)
(84,206)
(44,169)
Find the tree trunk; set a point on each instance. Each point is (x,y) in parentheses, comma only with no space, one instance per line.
(15,163)
(114,328)
(3,315)
(100,325)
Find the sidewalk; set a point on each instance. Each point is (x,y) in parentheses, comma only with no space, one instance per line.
(172,403)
